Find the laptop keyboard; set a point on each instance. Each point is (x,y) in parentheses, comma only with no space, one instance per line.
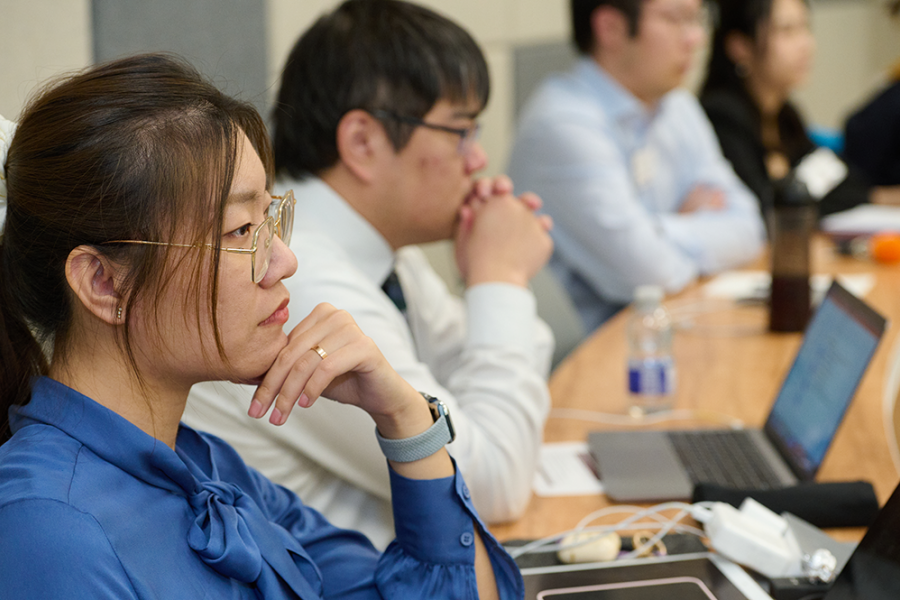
(726,458)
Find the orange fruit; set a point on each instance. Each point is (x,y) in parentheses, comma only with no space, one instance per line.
(885,247)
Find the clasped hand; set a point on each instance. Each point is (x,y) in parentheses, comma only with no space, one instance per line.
(499,238)
(703,197)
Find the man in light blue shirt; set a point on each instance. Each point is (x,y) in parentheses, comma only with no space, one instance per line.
(628,165)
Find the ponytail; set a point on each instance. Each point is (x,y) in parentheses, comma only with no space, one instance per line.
(21,357)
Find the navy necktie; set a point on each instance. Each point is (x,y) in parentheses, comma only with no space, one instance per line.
(394,291)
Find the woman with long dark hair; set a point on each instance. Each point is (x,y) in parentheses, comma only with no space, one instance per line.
(142,253)
(761,52)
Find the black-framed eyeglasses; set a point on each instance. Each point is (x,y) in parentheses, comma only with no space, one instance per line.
(467,135)
(280,222)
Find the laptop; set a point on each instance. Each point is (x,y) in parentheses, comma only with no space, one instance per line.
(873,570)
(837,347)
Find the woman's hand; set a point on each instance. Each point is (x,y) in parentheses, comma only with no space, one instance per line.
(353,371)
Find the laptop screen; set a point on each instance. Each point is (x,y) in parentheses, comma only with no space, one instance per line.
(837,347)
(873,571)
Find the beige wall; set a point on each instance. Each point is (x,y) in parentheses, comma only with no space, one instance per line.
(856,43)
(39,38)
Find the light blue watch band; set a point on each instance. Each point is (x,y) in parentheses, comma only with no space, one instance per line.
(426,443)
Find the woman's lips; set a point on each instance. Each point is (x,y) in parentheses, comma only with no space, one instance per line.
(280,316)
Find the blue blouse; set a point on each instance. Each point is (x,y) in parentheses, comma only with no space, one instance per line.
(93,507)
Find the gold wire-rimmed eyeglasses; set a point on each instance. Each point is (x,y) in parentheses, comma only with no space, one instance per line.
(281,223)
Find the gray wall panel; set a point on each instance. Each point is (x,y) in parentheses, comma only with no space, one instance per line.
(534,62)
(225,39)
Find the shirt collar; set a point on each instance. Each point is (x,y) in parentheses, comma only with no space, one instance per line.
(321,210)
(618,101)
(107,434)
(229,531)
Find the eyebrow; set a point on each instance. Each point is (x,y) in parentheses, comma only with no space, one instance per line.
(246,197)
(466,114)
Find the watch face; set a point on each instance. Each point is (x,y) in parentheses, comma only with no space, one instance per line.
(445,412)
(439,409)
(435,409)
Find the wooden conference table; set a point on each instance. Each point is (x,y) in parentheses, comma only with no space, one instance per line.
(727,363)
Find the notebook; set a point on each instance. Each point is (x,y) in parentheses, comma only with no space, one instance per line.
(837,347)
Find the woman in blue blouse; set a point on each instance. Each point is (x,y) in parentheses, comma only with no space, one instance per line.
(143,253)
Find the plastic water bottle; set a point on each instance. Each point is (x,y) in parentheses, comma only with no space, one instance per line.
(651,367)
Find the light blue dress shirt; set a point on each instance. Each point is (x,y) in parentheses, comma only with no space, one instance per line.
(613,174)
(91,507)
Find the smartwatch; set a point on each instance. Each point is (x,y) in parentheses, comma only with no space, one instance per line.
(426,443)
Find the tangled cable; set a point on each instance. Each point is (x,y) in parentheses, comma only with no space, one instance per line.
(553,543)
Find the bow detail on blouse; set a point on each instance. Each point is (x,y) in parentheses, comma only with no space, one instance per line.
(232,535)
(220,534)
(230,532)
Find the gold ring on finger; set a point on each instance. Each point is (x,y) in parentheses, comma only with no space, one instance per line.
(320,351)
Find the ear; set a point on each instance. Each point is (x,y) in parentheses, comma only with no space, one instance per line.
(95,280)
(362,142)
(610,28)
(739,49)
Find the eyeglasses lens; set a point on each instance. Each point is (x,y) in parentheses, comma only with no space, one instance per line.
(286,221)
(467,141)
(264,246)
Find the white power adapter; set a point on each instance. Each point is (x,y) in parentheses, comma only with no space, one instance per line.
(754,536)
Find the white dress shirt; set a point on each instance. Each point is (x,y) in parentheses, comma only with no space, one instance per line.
(486,356)
(613,174)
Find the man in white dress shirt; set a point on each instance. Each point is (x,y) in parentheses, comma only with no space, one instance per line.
(375,131)
(627,163)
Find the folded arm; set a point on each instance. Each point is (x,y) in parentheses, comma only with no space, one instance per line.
(617,234)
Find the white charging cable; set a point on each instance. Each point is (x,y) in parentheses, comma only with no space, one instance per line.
(554,543)
(753,535)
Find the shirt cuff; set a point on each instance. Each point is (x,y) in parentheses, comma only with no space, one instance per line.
(715,241)
(434,519)
(500,314)
(684,231)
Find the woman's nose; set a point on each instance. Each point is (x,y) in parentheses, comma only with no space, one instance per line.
(282,264)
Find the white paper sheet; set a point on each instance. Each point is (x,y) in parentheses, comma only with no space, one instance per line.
(750,285)
(563,471)
(864,219)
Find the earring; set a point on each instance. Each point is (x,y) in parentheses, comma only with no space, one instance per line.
(119,314)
